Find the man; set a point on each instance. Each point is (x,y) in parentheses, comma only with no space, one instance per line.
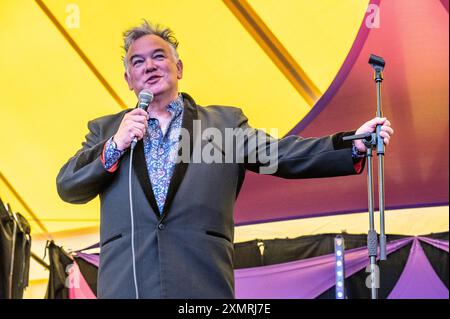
(178,243)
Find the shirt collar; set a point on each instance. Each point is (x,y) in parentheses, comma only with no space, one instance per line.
(176,106)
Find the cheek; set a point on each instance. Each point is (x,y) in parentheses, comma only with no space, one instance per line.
(136,74)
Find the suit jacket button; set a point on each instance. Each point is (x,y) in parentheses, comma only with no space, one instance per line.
(161,226)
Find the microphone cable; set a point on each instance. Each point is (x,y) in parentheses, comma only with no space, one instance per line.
(132,222)
(145,98)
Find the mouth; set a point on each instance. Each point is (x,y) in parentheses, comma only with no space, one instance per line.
(153,79)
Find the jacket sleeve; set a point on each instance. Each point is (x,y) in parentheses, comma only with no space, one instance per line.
(83,177)
(296,157)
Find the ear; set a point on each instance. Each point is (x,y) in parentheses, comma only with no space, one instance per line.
(127,78)
(179,69)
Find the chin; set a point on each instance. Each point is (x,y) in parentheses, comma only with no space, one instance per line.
(155,89)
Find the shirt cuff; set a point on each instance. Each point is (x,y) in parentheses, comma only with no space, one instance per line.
(110,156)
(359,165)
(358,159)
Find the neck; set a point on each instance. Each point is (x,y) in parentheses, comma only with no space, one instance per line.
(159,103)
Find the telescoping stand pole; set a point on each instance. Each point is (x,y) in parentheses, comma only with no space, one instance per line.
(374,141)
(377,64)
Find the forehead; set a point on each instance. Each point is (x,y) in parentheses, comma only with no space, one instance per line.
(147,44)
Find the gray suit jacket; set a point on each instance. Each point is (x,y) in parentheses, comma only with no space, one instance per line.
(187,252)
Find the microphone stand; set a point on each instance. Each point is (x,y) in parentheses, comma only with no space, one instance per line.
(374,141)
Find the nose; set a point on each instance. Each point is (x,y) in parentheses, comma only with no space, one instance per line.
(149,65)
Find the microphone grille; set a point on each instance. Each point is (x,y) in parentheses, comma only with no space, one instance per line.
(145,98)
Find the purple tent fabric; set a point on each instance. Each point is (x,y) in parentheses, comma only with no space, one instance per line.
(309,278)
(418,280)
(441,244)
(414,42)
(304,279)
(90,258)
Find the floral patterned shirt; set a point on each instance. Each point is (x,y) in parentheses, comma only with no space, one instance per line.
(160,151)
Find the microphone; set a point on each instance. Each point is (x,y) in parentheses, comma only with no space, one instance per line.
(145,98)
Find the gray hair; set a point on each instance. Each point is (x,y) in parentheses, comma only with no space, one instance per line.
(146,28)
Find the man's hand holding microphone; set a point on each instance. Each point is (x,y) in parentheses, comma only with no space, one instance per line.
(134,124)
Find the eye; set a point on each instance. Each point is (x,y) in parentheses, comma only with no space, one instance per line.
(159,56)
(137,62)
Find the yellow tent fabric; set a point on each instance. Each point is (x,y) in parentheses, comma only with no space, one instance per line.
(49,91)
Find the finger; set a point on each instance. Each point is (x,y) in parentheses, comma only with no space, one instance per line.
(384,134)
(132,129)
(387,129)
(131,123)
(136,133)
(374,122)
(142,131)
(380,120)
(386,141)
(139,126)
(138,111)
(360,146)
(137,118)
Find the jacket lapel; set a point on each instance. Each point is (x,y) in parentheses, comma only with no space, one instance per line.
(189,115)
(140,167)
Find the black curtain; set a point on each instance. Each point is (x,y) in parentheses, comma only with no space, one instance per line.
(276,251)
(89,272)
(14,231)
(247,254)
(59,260)
(285,250)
